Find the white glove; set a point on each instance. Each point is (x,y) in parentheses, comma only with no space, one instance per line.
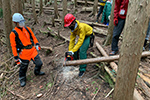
(71,52)
(38,47)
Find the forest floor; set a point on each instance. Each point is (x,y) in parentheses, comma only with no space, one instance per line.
(60,82)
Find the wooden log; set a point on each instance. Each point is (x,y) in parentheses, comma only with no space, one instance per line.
(52,8)
(99,59)
(112,64)
(100,31)
(144,78)
(87,9)
(49,48)
(93,23)
(106,68)
(83,2)
(137,96)
(144,87)
(61,36)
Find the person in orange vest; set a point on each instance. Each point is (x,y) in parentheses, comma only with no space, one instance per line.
(22,41)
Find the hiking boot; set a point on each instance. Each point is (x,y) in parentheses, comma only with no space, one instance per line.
(22,82)
(81,73)
(113,53)
(39,73)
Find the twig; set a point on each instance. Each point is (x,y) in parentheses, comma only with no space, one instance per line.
(109,92)
(69,93)
(60,87)
(16,94)
(96,93)
(6,61)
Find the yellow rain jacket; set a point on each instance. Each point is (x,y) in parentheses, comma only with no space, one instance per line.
(102,2)
(81,30)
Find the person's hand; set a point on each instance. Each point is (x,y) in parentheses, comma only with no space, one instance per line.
(71,53)
(115,21)
(38,47)
(17,60)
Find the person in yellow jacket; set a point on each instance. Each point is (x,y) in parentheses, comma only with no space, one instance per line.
(102,4)
(86,37)
(22,41)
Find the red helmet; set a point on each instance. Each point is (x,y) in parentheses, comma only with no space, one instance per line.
(68,19)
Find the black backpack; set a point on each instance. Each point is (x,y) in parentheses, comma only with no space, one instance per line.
(19,44)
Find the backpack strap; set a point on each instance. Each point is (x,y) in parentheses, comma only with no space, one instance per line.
(31,38)
(19,44)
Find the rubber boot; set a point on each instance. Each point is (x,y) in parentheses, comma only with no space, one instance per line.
(22,81)
(38,72)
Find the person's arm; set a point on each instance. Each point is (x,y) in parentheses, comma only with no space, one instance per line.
(72,41)
(117,8)
(13,44)
(80,42)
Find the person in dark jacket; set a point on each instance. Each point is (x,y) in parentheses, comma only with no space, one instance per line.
(106,13)
(120,12)
(102,4)
(147,37)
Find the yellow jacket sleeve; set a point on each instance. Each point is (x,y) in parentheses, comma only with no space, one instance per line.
(79,43)
(72,41)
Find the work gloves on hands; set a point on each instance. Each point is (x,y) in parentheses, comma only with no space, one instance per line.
(71,53)
(38,47)
(115,21)
(17,60)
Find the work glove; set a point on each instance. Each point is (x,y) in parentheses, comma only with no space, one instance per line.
(115,21)
(71,53)
(38,47)
(17,60)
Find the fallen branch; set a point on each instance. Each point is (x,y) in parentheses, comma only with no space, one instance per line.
(49,48)
(61,36)
(144,78)
(52,8)
(144,87)
(20,96)
(109,92)
(112,64)
(106,68)
(6,61)
(96,93)
(99,59)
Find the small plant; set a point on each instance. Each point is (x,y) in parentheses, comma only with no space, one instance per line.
(93,82)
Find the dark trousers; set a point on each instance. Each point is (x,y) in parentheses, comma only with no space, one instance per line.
(100,11)
(24,66)
(116,33)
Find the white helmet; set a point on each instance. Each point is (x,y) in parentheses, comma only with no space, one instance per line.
(17,17)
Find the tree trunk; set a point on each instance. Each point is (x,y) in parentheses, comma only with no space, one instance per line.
(55,10)
(94,8)
(14,9)
(75,3)
(64,11)
(45,2)
(34,13)
(41,6)
(7,21)
(0,3)
(111,26)
(86,3)
(20,7)
(131,49)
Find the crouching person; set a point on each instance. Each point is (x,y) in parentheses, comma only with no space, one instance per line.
(22,41)
(86,38)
